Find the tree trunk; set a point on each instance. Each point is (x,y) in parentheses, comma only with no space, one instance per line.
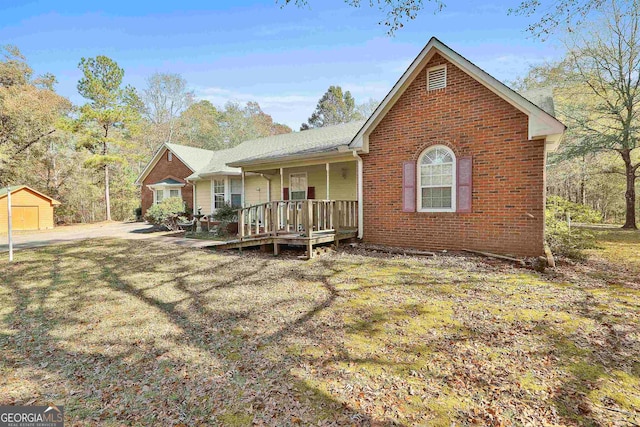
(106,193)
(630,194)
(583,181)
(107,199)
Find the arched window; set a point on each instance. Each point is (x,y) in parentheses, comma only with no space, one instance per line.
(437,180)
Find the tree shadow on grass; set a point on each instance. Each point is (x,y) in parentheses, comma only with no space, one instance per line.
(208,370)
(222,339)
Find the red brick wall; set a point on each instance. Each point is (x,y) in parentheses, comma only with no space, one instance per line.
(508,180)
(167,169)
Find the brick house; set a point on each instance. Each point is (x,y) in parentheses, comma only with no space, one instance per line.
(451,159)
(462,158)
(165,175)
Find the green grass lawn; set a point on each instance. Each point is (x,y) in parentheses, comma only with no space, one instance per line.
(141,333)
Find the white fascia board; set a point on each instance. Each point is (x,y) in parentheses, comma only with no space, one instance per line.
(541,124)
(155,159)
(158,186)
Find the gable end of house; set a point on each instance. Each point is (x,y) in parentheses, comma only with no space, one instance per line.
(541,125)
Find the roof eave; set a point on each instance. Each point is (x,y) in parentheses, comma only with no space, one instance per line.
(217,173)
(552,142)
(155,159)
(157,184)
(151,164)
(541,123)
(284,159)
(21,187)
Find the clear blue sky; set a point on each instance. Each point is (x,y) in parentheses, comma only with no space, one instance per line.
(284,58)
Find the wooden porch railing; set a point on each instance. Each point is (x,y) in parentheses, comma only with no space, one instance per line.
(303,217)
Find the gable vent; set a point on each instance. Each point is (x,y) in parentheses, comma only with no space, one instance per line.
(437,77)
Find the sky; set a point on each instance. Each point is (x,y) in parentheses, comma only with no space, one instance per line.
(282,56)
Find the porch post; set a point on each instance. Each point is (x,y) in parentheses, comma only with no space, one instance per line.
(212,195)
(281,183)
(195,200)
(227,189)
(327,170)
(242,194)
(269,190)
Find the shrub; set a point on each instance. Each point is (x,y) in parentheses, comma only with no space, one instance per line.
(560,206)
(166,213)
(225,214)
(567,241)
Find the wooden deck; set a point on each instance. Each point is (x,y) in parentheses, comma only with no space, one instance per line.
(295,222)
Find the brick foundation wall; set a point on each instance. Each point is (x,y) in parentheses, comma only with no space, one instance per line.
(167,169)
(508,170)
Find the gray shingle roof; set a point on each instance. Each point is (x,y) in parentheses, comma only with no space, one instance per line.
(541,98)
(318,140)
(168,181)
(195,158)
(279,146)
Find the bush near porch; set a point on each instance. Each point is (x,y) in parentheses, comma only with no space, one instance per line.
(166,213)
(348,339)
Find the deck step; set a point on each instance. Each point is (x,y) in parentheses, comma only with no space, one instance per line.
(288,239)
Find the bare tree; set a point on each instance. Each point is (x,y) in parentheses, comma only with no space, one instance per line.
(397,11)
(367,108)
(165,98)
(603,66)
(554,14)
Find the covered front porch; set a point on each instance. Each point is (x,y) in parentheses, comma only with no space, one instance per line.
(298,203)
(296,222)
(336,180)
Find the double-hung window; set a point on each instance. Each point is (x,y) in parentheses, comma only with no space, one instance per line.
(162,193)
(437,180)
(218,193)
(236,193)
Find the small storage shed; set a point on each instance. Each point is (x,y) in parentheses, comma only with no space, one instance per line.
(31,210)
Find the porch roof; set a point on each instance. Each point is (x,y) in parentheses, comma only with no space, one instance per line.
(280,147)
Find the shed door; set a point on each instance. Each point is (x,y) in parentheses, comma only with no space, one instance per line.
(25,218)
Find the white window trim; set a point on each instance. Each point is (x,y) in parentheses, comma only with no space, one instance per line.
(437,67)
(155,195)
(306,178)
(213,191)
(454,181)
(229,193)
(166,191)
(227,189)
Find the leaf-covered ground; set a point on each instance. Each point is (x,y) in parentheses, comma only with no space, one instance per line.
(141,333)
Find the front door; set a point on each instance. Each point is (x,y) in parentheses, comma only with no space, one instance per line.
(24,217)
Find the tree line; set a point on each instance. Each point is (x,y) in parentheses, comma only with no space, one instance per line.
(597,95)
(89,156)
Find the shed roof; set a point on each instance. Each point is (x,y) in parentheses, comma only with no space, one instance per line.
(14,188)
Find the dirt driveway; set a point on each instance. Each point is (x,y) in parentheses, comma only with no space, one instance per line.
(121,230)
